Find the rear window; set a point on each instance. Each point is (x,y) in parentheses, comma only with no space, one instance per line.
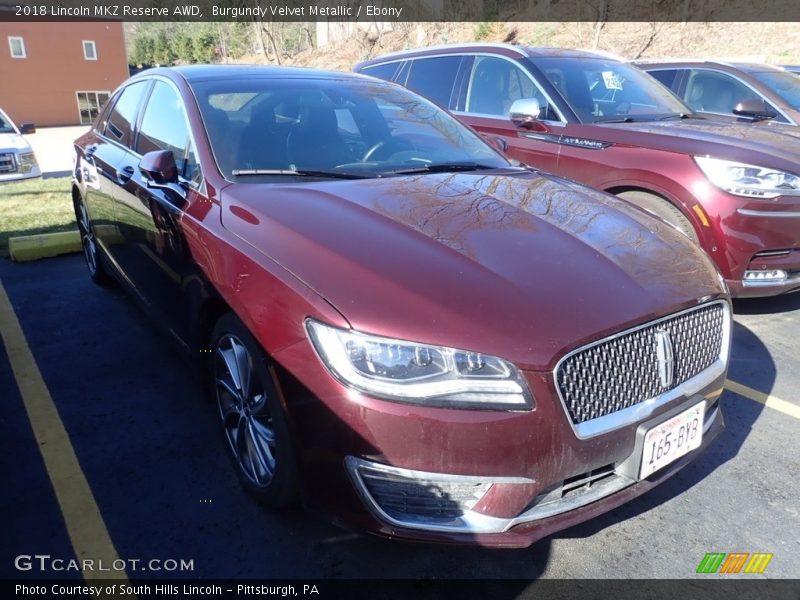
(385,71)
(434,78)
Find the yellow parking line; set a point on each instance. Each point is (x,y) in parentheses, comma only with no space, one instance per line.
(787,408)
(87,531)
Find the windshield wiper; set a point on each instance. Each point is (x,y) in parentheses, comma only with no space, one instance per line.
(616,120)
(302,172)
(441,168)
(680,116)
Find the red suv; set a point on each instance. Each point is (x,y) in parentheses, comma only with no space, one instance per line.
(732,188)
(732,91)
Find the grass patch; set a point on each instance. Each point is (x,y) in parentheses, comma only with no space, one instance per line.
(35,206)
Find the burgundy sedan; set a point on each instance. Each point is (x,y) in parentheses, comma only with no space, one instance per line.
(396,325)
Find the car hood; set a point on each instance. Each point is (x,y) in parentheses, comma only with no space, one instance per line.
(13,141)
(521,266)
(773,145)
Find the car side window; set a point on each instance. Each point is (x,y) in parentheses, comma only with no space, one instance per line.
(708,91)
(164,127)
(666,77)
(385,71)
(434,78)
(122,118)
(496,83)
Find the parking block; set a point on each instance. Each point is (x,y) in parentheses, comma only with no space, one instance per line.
(33,247)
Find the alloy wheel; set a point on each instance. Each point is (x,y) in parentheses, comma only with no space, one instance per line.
(244,410)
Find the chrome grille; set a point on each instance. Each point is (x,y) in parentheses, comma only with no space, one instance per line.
(622,371)
(7,163)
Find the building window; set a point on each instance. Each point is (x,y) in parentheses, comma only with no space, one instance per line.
(89,50)
(90,104)
(17,46)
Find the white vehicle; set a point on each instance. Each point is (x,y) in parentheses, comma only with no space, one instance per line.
(17,160)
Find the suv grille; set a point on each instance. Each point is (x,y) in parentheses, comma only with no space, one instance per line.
(625,370)
(7,163)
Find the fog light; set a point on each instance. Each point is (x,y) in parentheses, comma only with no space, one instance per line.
(422,500)
(766,276)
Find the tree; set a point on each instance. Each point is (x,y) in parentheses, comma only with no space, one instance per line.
(205,44)
(143,50)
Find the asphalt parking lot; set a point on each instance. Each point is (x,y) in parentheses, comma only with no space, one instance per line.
(156,469)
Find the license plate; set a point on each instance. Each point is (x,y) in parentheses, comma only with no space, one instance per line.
(668,441)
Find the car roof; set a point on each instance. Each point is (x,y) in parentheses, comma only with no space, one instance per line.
(507,49)
(747,67)
(195,73)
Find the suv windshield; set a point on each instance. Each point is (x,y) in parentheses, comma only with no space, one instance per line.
(267,128)
(5,124)
(601,90)
(783,83)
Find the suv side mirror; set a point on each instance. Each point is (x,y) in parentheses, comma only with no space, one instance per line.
(160,171)
(524,112)
(27,128)
(755,109)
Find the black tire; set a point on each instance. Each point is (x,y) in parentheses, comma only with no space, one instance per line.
(251,414)
(662,208)
(91,255)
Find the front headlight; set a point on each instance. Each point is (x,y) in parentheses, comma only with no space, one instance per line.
(27,162)
(417,373)
(749,181)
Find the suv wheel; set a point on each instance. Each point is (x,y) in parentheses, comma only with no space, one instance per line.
(664,209)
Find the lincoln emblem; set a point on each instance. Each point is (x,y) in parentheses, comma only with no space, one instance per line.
(666,358)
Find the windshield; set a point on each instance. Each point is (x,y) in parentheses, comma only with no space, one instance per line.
(266,128)
(783,83)
(5,124)
(601,90)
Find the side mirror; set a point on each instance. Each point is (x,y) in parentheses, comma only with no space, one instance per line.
(27,128)
(160,171)
(755,109)
(524,112)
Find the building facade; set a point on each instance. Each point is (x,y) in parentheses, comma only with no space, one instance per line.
(60,73)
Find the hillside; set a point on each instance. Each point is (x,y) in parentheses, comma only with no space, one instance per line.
(763,42)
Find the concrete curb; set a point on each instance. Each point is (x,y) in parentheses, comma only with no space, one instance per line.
(44,245)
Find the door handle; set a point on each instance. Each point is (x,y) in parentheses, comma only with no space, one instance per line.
(124,174)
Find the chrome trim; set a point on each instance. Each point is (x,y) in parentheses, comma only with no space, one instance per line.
(471,521)
(780,214)
(506,119)
(666,358)
(642,410)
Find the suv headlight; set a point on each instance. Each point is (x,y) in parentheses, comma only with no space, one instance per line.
(27,162)
(748,181)
(417,373)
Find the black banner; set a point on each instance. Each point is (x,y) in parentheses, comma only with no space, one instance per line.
(548,589)
(403,10)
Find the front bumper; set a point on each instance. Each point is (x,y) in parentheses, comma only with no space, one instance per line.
(754,241)
(542,476)
(546,514)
